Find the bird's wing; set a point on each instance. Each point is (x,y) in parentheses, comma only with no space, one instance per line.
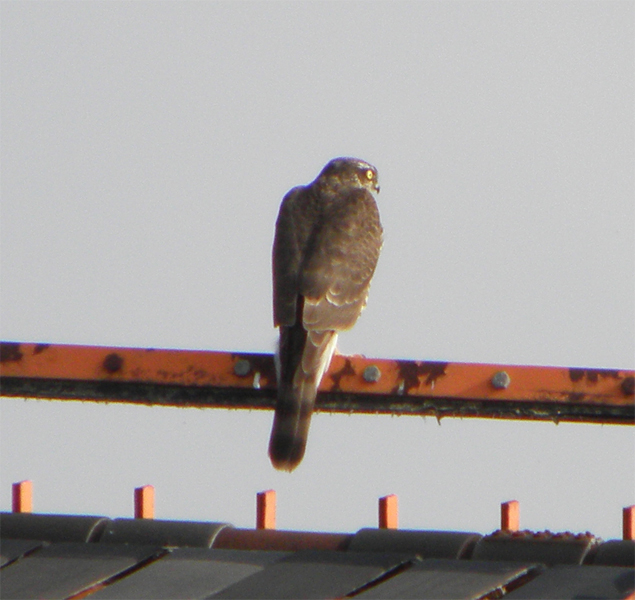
(339,262)
(293,228)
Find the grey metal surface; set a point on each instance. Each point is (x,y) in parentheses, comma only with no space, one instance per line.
(616,553)
(426,544)
(432,579)
(543,547)
(61,570)
(52,528)
(189,573)
(569,582)
(315,574)
(162,533)
(10,550)
(378,564)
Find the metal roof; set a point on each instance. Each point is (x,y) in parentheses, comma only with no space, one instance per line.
(61,556)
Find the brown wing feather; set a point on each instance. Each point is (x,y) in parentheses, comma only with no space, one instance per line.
(298,213)
(336,272)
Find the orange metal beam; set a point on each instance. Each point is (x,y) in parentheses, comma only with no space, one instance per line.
(353,383)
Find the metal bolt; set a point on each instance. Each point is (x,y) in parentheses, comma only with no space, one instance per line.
(242,367)
(371,373)
(501,380)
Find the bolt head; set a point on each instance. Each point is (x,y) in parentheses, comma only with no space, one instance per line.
(501,380)
(242,367)
(371,374)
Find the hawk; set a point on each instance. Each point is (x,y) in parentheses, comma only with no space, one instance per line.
(327,242)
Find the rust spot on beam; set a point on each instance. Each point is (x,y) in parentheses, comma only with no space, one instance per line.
(628,386)
(346,370)
(410,371)
(592,375)
(10,352)
(113,363)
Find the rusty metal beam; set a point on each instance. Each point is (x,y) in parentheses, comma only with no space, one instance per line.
(353,383)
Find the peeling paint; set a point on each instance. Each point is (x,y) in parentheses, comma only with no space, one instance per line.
(10,352)
(113,363)
(410,371)
(628,386)
(336,377)
(592,375)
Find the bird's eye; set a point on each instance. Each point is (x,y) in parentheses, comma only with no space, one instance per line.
(369,174)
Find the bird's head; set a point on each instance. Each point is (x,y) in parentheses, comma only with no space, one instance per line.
(350,172)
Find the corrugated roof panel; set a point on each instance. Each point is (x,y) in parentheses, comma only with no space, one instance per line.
(616,553)
(189,573)
(432,579)
(161,533)
(378,563)
(62,570)
(568,582)
(315,574)
(12,549)
(52,528)
(426,544)
(528,546)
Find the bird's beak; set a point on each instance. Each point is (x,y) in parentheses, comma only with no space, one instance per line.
(376,187)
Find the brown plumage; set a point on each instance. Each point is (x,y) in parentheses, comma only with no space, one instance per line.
(327,242)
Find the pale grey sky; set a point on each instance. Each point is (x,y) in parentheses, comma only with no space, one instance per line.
(145,150)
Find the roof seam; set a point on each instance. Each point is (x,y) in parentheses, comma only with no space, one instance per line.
(113,578)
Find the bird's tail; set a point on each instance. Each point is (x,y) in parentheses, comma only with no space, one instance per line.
(304,357)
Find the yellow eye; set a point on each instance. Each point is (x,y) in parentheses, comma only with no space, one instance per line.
(369,174)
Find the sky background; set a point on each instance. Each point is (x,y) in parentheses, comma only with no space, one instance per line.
(145,150)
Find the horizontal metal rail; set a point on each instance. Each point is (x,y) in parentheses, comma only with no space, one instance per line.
(353,383)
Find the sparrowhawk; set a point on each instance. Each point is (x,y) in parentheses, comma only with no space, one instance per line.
(327,242)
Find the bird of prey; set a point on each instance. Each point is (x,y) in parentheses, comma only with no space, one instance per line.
(327,242)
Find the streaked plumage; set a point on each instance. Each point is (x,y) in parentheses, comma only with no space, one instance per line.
(326,246)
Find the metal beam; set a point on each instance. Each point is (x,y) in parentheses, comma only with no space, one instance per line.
(352,384)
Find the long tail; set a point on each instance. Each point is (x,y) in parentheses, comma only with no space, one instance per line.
(304,357)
